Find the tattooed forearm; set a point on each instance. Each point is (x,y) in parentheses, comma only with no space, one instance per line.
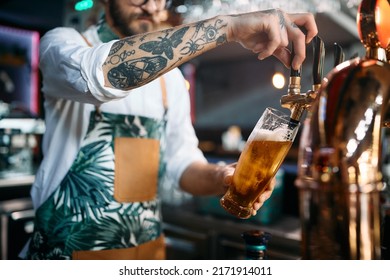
(165,45)
(136,60)
(115,48)
(205,33)
(133,72)
(115,59)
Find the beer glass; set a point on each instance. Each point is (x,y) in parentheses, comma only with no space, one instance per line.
(264,152)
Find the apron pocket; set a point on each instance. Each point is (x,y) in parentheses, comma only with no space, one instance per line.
(136,169)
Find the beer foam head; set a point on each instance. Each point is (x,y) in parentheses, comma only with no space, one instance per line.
(279,134)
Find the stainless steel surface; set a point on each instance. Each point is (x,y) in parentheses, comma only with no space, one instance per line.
(340,159)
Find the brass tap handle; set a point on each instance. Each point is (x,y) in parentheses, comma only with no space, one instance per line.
(293,72)
(294,86)
(318,60)
(339,55)
(291,100)
(295,77)
(296,101)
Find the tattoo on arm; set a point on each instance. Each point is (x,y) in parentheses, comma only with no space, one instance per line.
(279,13)
(165,45)
(282,19)
(128,71)
(133,72)
(210,33)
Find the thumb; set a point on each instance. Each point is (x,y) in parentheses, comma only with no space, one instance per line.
(228,180)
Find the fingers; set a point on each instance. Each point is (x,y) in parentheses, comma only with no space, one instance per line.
(299,42)
(270,32)
(298,38)
(277,39)
(284,29)
(228,171)
(260,201)
(271,185)
(228,180)
(306,21)
(263,197)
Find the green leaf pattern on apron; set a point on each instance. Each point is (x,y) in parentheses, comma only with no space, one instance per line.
(82,213)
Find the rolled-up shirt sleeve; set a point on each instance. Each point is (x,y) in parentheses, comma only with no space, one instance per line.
(73,70)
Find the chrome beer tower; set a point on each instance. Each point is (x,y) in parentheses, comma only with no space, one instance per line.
(340,156)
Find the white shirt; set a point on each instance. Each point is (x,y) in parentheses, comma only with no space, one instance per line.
(73,84)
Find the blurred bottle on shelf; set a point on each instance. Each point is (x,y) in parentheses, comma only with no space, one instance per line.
(256,244)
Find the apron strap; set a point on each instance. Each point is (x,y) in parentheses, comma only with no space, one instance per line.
(164,95)
(86,40)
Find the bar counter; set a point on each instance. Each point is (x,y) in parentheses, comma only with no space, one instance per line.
(194,235)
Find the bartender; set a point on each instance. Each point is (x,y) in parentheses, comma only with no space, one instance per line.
(118,125)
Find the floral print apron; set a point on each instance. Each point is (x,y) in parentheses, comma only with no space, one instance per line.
(87,213)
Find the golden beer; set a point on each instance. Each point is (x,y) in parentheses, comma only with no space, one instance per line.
(261,158)
(257,165)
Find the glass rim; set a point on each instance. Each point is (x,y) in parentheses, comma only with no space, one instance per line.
(279,114)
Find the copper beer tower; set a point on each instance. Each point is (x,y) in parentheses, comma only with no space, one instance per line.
(340,156)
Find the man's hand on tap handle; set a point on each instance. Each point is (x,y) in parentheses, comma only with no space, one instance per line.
(269,33)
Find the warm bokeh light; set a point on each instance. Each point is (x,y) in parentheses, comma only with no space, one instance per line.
(278,80)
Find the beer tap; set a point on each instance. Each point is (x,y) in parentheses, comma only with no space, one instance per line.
(296,101)
(318,63)
(339,55)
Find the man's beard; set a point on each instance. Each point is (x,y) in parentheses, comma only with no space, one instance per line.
(121,23)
